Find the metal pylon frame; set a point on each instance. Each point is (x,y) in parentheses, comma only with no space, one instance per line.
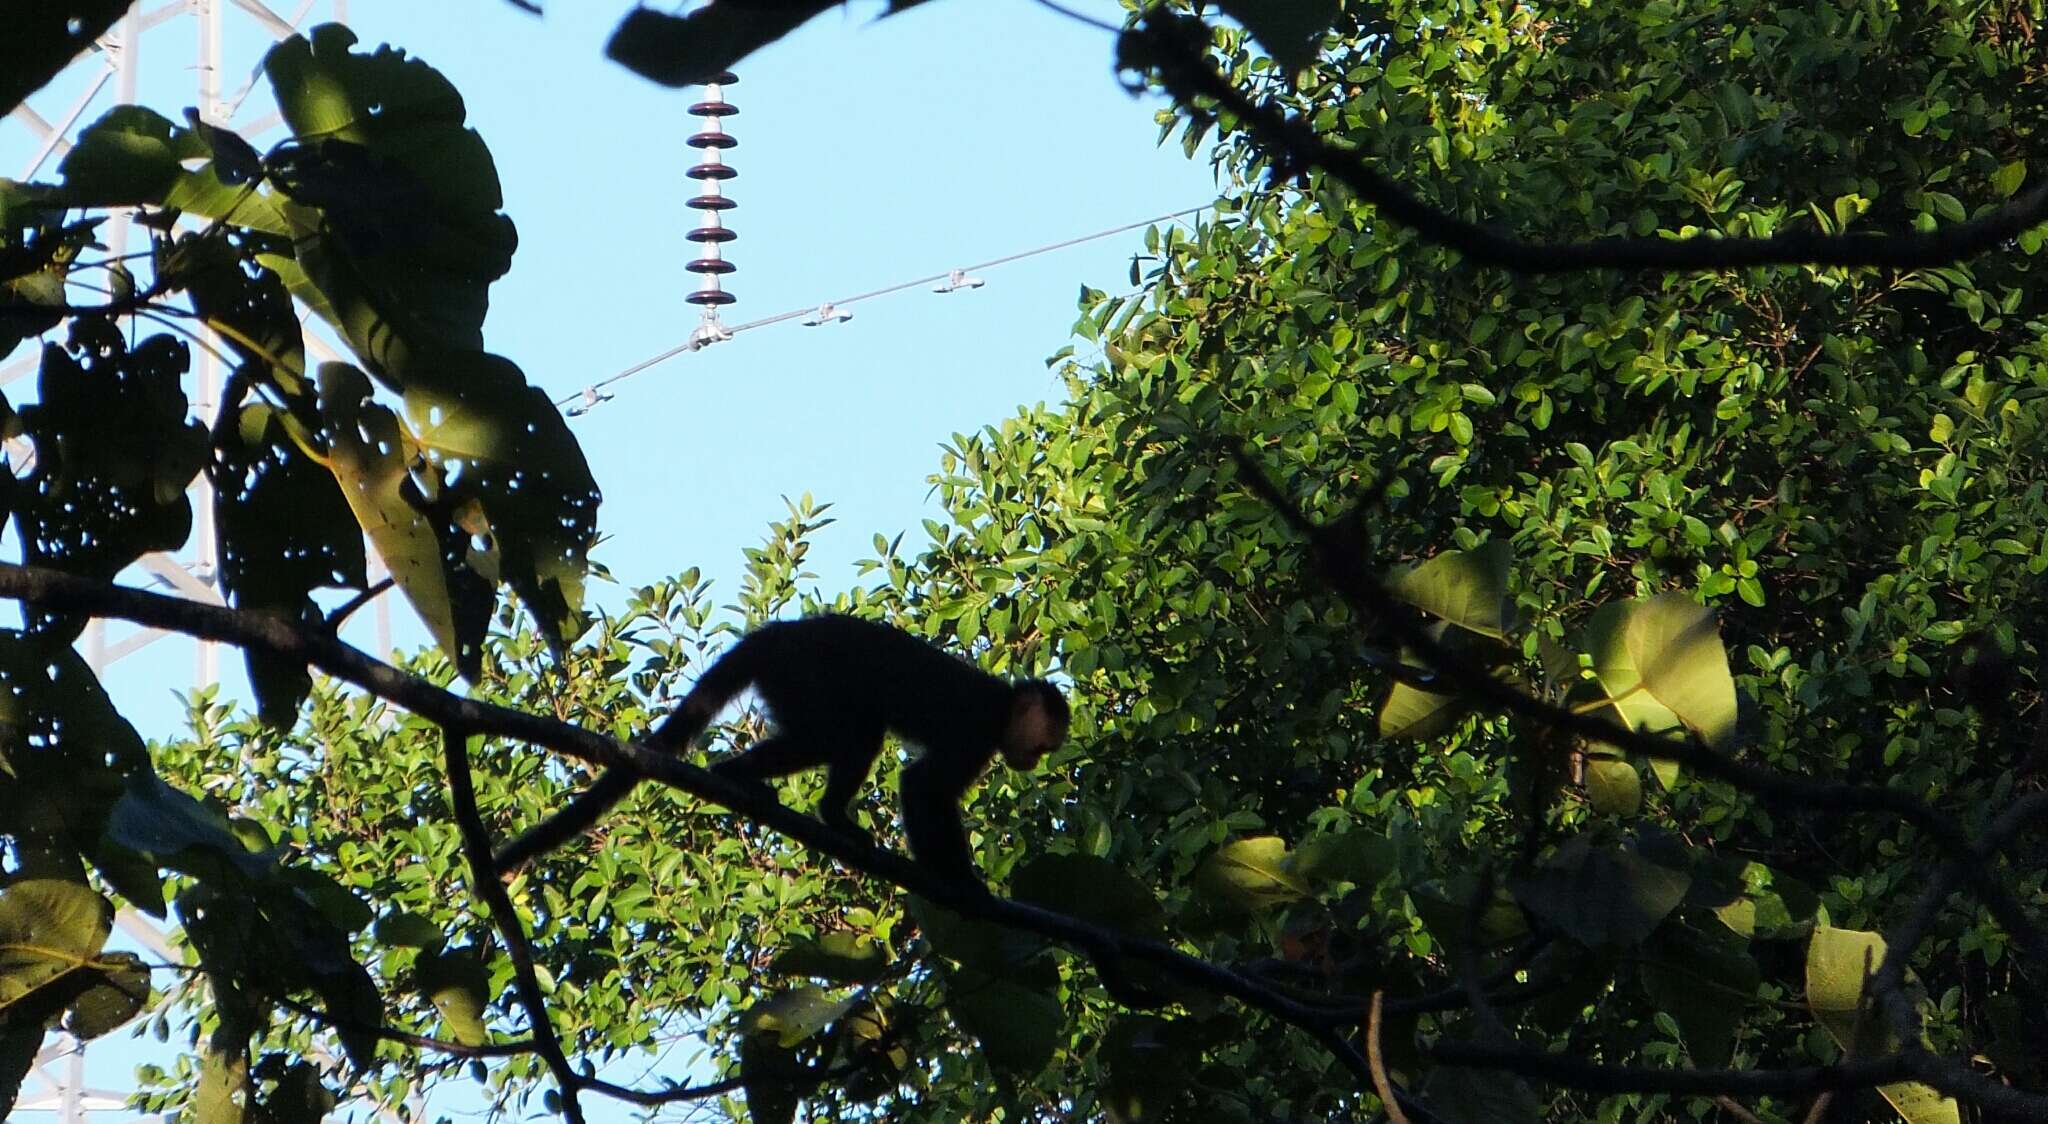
(116,59)
(56,1082)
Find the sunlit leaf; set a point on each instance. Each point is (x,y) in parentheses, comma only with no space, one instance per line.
(1249,874)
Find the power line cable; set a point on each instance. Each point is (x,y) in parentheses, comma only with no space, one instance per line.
(589,396)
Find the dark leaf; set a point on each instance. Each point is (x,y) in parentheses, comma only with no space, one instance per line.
(697,48)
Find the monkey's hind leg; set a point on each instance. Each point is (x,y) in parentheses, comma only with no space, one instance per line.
(773,757)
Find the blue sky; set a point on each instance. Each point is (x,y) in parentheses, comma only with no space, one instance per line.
(871,151)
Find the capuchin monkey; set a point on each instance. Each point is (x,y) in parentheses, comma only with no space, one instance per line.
(833,686)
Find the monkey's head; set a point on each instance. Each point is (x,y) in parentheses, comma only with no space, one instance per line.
(1037,724)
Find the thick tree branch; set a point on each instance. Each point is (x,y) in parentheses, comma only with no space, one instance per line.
(286,639)
(1172,47)
(476,846)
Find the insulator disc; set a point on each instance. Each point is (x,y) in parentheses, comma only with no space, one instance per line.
(714,109)
(711,265)
(711,203)
(711,296)
(711,172)
(711,234)
(725,78)
(712,140)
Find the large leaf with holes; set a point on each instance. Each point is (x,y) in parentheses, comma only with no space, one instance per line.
(114,455)
(408,228)
(135,156)
(44,38)
(367,453)
(286,528)
(65,758)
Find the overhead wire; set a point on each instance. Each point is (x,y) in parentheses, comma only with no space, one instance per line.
(589,395)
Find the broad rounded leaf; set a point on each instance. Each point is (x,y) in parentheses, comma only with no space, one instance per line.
(1249,874)
(1411,712)
(1468,588)
(47,929)
(835,958)
(1602,898)
(1092,889)
(118,995)
(1839,962)
(408,930)
(1018,1025)
(794,1015)
(458,985)
(1613,787)
(1676,647)
(1359,856)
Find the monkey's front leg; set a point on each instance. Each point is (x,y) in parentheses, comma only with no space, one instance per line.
(931,822)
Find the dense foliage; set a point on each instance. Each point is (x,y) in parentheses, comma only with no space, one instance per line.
(1272,767)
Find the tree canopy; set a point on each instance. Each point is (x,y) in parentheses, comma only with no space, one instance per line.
(1549,578)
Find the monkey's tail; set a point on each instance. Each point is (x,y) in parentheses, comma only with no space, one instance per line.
(719,685)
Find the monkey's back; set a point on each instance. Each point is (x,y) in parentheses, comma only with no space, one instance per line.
(844,671)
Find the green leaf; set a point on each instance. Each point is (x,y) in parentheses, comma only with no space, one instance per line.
(2007,179)
(793,1016)
(1705,982)
(367,455)
(1359,856)
(1092,889)
(1249,875)
(48,929)
(115,451)
(1613,787)
(119,993)
(975,944)
(1607,898)
(1018,1022)
(1468,588)
(842,958)
(458,985)
(223,1095)
(131,155)
(1838,964)
(408,930)
(1411,712)
(1674,642)
(696,48)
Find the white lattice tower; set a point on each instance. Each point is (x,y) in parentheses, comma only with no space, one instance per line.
(223,85)
(56,1083)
